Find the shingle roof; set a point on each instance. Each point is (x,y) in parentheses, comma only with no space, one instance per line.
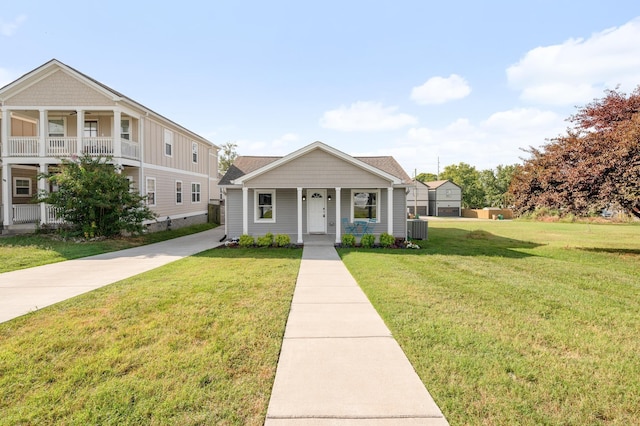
(247,164)
(437,183)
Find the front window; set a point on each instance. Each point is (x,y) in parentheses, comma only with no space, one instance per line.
(91,129)
(168,143)
(265,206)
(125,133)
(56,128)
(364,205)
(22,187)
(151,191)
(195,192)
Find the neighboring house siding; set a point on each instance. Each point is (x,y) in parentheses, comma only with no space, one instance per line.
(59,89)
(23,128)
(318,169)
(22,172)
(166,193)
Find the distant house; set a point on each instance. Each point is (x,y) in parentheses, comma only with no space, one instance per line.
(56,112)
(315,190)
(418,198)
(445,198)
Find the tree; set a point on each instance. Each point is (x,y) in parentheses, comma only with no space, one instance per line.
(95,199)
(495,184)
(426,177)
(596,164)
(468,178)
(228,156)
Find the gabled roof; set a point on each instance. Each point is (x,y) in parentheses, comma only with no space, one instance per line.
(245,168)
(437,183)
(421,183)
(47,68)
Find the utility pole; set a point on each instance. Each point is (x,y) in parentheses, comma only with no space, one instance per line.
(438,176)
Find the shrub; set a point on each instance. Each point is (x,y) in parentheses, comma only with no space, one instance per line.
(266,240)
(283,240)
(348,240)
(367,240)
(387,240)
(246,241)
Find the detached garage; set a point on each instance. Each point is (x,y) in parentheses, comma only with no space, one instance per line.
(445,198)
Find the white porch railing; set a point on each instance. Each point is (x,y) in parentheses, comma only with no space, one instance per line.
(61,147)
(23,146)
(26,213)
(30,213)
(28,146)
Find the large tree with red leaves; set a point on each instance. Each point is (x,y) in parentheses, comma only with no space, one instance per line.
(595,165)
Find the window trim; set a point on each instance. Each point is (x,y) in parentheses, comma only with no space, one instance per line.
(352,203)
(64,127)
(198,193)
(194,152)
(122,132)
(15,187)
(256,211)
(180,192)
(155,191)
(168,142)
(90,129)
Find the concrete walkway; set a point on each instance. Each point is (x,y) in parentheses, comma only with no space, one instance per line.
(31,289)
(339,364)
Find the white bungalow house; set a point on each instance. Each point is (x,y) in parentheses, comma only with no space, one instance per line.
(315,190)
(56,112)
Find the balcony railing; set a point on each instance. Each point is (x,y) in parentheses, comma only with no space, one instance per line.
(23,146)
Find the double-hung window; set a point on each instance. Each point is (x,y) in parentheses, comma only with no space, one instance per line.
(195,192)
(151,191)
(178,192)
(21,187)
(168,143)
(265,205)
(56,127)
(194,152)
(125,129)
(365,205)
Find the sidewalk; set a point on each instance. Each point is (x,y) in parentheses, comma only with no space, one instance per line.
(27,290)
(339,364)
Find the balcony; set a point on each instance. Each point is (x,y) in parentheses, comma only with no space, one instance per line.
(29,146)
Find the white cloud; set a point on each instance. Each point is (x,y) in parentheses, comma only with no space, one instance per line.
(277,146)
(578,70)
(484,145)
(365,117)
(438,90)
(9,28)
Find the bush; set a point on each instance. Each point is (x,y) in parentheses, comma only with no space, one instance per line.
(348,240)
(387,240)
(283,240)
(246,241)
(367,240)
(266,240)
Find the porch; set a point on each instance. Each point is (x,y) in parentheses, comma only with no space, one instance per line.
(26,217)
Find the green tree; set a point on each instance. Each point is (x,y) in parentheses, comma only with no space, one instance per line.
(228,156)
(468,178)
(426,177)
(95,199)
(495,184)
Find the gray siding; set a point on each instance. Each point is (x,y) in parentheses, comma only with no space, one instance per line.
(233,215)
(318,169)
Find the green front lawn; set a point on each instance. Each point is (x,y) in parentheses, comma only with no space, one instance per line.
(195,342)
(516,322)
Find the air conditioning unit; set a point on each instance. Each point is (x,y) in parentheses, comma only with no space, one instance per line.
(417,229)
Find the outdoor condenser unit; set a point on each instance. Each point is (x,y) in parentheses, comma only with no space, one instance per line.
(417,229)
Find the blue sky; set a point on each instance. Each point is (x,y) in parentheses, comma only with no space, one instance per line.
(458,81)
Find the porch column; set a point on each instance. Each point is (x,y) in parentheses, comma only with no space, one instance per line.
(390,210)
(338,217)
(42,133)
(7,208)
(42,187)
(300,241)
(117,143)
(80,132)
(4,132)
(245,213)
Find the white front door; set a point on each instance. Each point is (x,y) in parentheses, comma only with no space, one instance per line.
(316,211)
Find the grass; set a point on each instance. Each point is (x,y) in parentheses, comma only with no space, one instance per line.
(26,251)
(194,342)
(516,322)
